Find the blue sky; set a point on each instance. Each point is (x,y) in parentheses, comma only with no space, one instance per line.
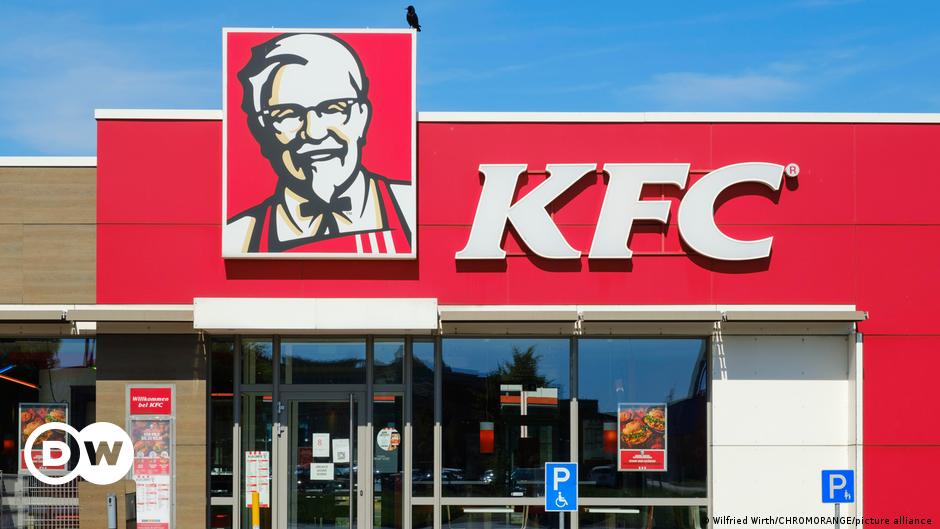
(61,59)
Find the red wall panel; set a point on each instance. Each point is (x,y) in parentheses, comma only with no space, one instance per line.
(897,177)
(824,190)
(858,226)
(159,172)
(813,258)
(808,264)
(899,482)
(897,278)
(901,390)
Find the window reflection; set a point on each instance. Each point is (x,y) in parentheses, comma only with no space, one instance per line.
(422,375)
(389,360)
(223,367)
(422,517)
(257,419)
(220,464)
(323,362)
(644,517)
(498,517)
(257,359)
(387,460)
(221,412)
(505,414)
(220,517)
(56,372)
(614,372)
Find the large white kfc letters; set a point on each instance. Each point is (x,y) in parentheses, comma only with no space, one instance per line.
(621,207)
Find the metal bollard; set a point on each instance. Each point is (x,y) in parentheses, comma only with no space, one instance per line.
(255,511)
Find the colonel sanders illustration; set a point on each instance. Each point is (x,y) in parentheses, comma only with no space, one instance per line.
(306,97)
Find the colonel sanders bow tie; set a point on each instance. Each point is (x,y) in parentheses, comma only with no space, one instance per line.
(328,212)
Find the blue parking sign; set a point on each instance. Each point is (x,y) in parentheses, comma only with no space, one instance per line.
(561,487)
(838,486)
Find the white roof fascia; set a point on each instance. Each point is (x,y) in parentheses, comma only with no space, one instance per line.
(577,117)
(316,314)
(48,161)
(158,114)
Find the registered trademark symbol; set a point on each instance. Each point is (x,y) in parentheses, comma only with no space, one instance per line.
(792,170)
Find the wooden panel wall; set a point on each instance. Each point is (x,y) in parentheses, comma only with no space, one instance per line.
(160,359)
(47,234)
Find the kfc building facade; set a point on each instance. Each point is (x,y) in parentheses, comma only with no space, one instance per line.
(345,313)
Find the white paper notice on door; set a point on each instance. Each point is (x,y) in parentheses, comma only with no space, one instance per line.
(341,450)
(258,477)
(321,444)
(321,471)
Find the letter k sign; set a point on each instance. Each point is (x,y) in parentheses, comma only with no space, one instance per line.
(528,216)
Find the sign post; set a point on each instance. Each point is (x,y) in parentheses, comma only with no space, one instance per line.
(151,423)
(838,487)
(561,489)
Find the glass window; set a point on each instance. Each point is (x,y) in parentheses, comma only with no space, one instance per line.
(422,517)
(220,469)
(220,517)
(422,375)
(257,359)
(53,379)
(502,517)
(389,361)
(643,517)
(257,419)
(323,362)
(223,366)
(387,461)
(642,394)
(221,404)
(506,413)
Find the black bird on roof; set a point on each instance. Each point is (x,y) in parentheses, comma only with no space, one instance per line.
(412,18)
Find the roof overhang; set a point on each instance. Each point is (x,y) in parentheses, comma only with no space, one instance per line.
(569,117)
(419,315)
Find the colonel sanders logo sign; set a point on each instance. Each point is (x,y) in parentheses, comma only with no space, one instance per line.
(319,144)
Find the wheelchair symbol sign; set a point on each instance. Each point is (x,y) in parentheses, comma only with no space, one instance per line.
(561,487)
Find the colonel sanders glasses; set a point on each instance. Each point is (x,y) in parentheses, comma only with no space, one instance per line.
(289,119)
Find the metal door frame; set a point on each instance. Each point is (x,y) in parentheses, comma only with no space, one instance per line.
(281,451)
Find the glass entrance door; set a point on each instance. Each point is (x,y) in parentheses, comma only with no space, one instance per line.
(320,481)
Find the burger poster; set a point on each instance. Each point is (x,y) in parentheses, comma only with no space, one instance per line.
(152,439)
(641,445)
(151,447)
(33,416)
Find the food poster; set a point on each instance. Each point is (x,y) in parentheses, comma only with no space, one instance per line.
(152,441)
(32,416)
(642,437)
(153,469)
(385,452)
